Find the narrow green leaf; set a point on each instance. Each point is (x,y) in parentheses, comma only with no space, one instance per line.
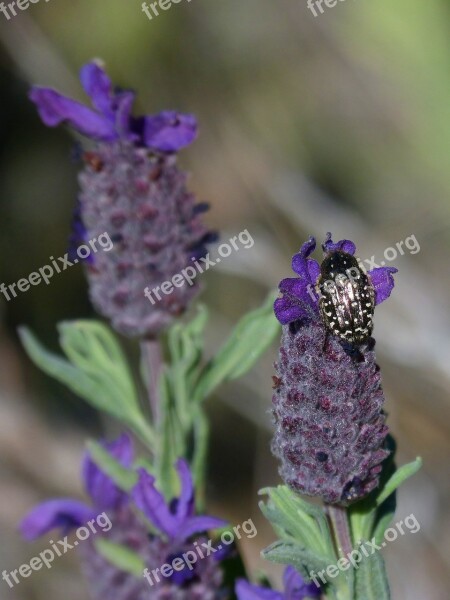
(401,475)
(289,553)
(251,338)
(122,477)
(371,579)
(97,371)
(121,557)
(372,516)
(62,370)
(186,351)
(296,525)
(92,347)
(201,437)
(171,440)
(383,517)
(298,519)
(363,514)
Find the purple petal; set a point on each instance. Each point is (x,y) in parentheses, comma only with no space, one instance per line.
(286,310)
(103,491)
(343,245)
(98,87)
(55,109)
(313,270)
(300,260)
(153,505)
(299,301)
(62,512)
(185,504)
(300,290)
(198,525)
(296,587)
(383,281)
(169,131)
(123,105)
(247,591)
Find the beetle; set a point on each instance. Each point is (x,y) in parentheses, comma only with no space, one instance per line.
(347,298)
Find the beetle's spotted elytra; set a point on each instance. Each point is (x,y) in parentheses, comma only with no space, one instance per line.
(347,299)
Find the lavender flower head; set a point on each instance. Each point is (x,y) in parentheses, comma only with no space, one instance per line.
(295,588)
(328,400)
(175,529)
(133,194)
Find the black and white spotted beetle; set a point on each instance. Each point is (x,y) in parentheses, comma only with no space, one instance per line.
(347,298)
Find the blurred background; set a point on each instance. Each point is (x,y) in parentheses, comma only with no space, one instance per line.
(336,123)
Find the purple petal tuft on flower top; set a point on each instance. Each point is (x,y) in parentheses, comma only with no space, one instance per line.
(295,588)
(127,529)
(299,300)
(166,132)
(343,245)
(383,282)
(177,520)
(300,261)
(103,491)
(63,513)
(98,87)
(54,109)
(169,131)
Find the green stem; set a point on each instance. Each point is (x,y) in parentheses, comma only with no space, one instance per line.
(152,357)
(344,584)
(339,520)
(201,435)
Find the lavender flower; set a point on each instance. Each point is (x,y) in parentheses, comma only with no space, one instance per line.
(175,529)
(295,588)
(112,120)
(328,402)
(132,191)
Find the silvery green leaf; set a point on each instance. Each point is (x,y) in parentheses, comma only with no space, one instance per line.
(298,520)
(371,579)
(290,553)
(186,351)
(401,474)
(250,339)
(372,516)
(171,440)
(96,370)
(386,501)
